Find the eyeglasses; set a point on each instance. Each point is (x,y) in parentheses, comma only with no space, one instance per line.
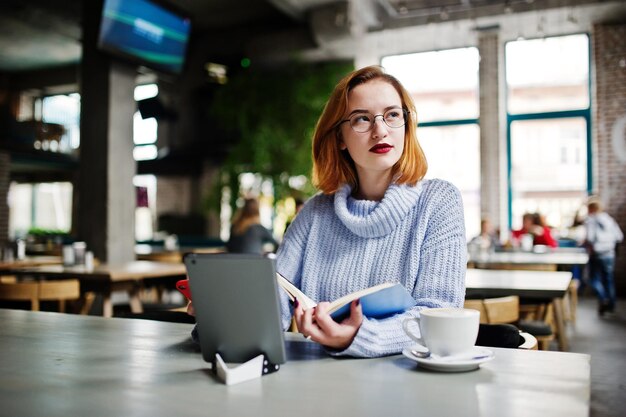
(364,122)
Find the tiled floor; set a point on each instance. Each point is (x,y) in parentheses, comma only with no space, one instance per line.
(604,338)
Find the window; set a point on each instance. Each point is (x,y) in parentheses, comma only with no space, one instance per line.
(144,138)
(42,206)
(145,212)
(453,154)
(548,127)
(64,110)
(61,109)
(444,86)
(145,130)
(550,74)
(545,178)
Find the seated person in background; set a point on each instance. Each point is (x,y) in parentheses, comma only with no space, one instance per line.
(487,239)
(528,227)
(543,235)
(247,234)
(534,224)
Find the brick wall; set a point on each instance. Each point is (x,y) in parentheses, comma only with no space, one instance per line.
(609,129)
(174,195)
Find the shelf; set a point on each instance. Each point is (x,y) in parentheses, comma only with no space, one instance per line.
(28,164)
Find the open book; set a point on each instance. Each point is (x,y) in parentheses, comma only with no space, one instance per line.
(379,301)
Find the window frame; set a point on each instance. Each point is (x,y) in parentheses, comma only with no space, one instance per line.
(562,114)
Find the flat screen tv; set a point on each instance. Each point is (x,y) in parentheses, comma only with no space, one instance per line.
(146,32)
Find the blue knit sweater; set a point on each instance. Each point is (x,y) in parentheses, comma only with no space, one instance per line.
(414,236)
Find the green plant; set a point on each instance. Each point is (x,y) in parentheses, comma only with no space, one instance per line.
(38,231)
(273,114)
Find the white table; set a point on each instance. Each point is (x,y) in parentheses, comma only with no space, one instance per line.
(554,258)
(538,285)
(528,284)
(70,365)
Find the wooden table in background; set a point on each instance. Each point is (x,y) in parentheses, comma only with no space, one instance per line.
(104,279)
(30,261)
(151,253)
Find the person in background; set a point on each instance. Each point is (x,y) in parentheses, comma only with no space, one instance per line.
(247,234)
(543,233)
(487,239)
(376,220)
(534,224)
(603,234)
(528,228)
(577,233)
(577,230)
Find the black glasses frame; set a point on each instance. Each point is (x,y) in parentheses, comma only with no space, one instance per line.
(405,112)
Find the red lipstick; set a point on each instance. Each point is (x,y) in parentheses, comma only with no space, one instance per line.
(381,148)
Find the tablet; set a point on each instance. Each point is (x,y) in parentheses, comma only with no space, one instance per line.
(235,297)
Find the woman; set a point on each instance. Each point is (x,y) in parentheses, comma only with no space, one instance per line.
(247,234)
(534,224)
(544,235)
(375,220)
(487,239)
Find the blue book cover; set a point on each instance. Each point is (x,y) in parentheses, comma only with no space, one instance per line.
(380,304)
(377,302)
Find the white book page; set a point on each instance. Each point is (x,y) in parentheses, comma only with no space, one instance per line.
(294,292)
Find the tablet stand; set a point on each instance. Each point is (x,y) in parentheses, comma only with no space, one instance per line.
(252,369)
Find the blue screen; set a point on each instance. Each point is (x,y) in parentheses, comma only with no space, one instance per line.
(145,31)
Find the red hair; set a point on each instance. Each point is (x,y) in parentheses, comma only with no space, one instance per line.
(331,167)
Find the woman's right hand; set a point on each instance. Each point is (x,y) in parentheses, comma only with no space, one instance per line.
(317,325)
(190,310)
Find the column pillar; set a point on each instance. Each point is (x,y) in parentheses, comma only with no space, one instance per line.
(493,189)
(5,178)
(106,197)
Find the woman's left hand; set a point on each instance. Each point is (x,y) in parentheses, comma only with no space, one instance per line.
(319,325)
(190,310)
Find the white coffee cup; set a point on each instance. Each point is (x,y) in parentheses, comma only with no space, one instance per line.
(68,255)
(445,331)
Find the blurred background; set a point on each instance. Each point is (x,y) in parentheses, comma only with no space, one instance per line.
(126,123)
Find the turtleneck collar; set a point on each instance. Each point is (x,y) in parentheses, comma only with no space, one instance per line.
(367,218)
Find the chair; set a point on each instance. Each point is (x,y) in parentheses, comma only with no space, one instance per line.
(37,291)
(505,310)
(570,301)
(536,316)
(516,267)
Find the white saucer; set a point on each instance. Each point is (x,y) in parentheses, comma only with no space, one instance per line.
(470,362)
